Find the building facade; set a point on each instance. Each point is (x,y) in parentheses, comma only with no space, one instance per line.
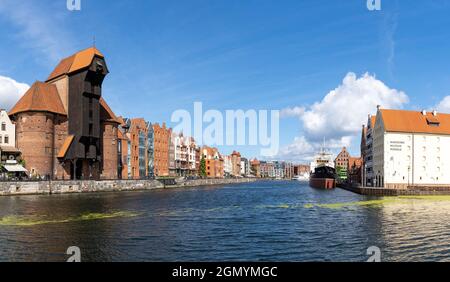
(161,139)
(227,165)
(7,130)
(267,169)
(138,137)
(184,155)
(342,159)
(245,167)
(410,148)
(214,162)
(367,154)
(235,164)
(288,170)
(354,171)
(64,128)
(300,170)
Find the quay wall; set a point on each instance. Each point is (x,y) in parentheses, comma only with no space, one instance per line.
(411,191)
(90,186)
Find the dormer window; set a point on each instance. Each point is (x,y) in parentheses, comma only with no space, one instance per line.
(433,121)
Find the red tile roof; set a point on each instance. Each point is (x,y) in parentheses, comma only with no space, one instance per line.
(415,122)
(41,97)
(65,147)
(106,114)
(76,62)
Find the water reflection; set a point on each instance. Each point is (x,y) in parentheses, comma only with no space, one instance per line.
(268,221)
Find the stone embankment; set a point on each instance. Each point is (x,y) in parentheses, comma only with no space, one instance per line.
(89,186)
(411,191)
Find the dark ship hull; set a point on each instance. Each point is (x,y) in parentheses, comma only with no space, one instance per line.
(323,178)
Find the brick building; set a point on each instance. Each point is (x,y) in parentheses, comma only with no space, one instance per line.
(214,162)
(354,170)
(302,170)
(342,159)
(236,164)
(64,128)
(162,136)
(138,134)
(255,168)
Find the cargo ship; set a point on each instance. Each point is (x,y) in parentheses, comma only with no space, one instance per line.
(323,177)
(323,174)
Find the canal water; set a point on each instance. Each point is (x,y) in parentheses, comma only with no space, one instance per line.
(264,221)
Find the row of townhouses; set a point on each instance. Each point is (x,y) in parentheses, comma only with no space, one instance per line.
(62,128)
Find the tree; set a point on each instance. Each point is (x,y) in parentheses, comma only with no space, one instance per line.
(341,172)
(203,167)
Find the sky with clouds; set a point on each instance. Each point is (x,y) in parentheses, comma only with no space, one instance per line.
(325,64)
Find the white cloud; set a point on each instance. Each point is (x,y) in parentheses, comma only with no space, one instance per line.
(344,109)
(302,149)
(10,92)
(292,112)
(339,116)
(444,105)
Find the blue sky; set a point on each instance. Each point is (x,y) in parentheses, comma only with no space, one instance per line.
(246,54)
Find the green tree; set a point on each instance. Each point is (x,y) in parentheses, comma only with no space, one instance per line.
(203,167)
(341,172)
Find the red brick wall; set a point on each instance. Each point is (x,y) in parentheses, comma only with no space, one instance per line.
(161,149)
(34,131)
(109,150)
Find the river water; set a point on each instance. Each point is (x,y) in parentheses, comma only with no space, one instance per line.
(263,221)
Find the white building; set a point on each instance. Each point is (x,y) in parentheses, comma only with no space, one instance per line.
(410,148)
(227,165)
(7,130)
(245,167)
(9,154)
(184,154)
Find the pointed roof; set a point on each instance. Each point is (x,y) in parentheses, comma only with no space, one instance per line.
(76,62)
(65,147)
(106,114)
(415,122)
(41,97)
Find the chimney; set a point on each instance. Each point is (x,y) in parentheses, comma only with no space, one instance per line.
(435,113)
(378,107)
(424,112)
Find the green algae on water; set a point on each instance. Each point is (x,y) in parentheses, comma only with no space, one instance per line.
(352,204)
(383,201)
(27,221)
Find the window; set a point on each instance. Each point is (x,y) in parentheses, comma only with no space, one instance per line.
(1,139)
(6,139)
(3,126)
